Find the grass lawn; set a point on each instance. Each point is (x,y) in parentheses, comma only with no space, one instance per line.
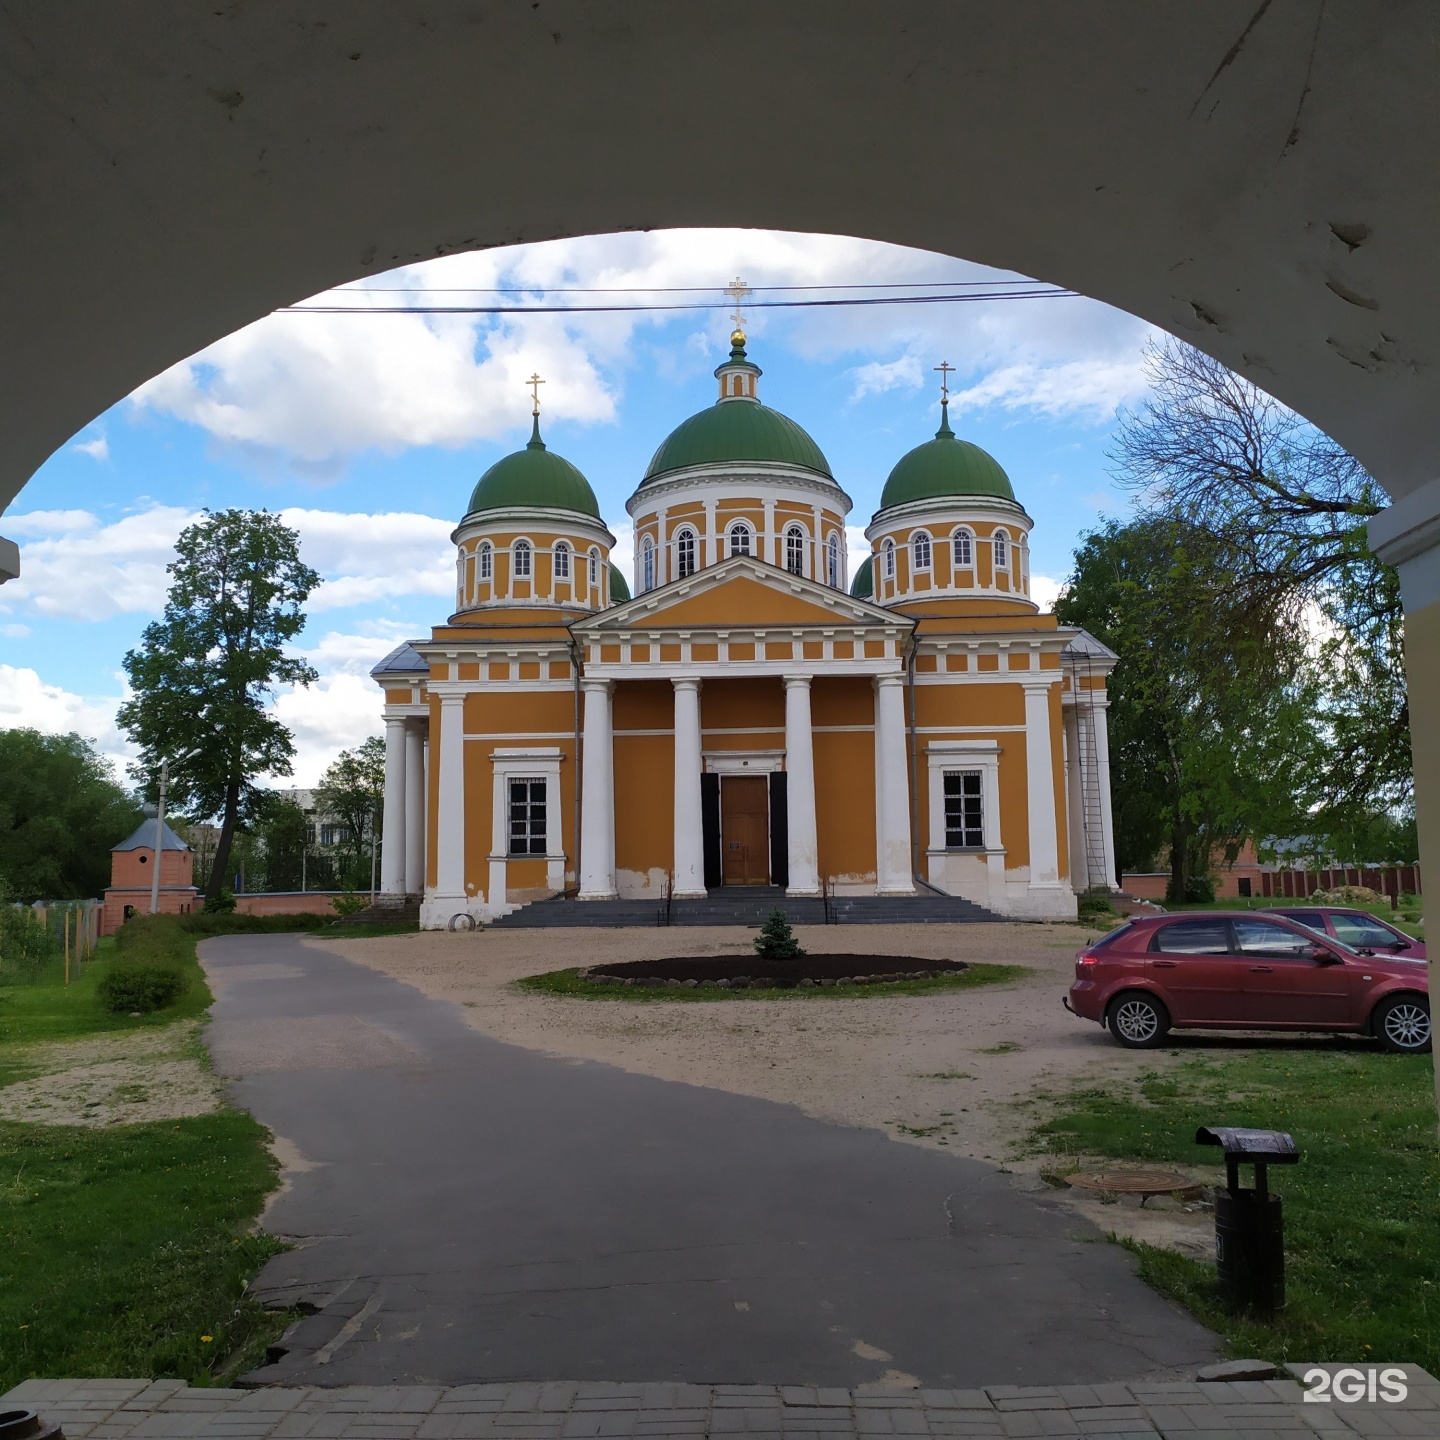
(124,1251)
(1362,1208)
(569,984)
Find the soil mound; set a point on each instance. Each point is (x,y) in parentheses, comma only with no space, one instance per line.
(741,971)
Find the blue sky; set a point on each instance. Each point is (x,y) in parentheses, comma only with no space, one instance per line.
(368,433)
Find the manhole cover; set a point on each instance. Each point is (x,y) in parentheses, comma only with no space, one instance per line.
(1141,1181)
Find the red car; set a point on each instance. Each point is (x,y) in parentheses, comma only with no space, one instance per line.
(1245,971)
(1356,928)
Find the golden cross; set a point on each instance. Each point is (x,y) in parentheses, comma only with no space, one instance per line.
(944,368)
(535,382)
(738,290)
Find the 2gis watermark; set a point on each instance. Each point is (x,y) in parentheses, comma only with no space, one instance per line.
(1351,1384)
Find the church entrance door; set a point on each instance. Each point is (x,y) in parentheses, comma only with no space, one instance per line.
(745,829)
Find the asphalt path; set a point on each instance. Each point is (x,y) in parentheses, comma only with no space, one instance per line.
(465,1210)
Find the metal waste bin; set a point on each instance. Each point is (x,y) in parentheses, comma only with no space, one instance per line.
(1249,1229)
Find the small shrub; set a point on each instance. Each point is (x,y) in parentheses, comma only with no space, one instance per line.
(776,941)
(221,904)
(349,903)
(239,923)
(140,985)
(1091,905)
(1199,890)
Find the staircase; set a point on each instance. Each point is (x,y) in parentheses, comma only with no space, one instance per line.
(390,910)
(746,905)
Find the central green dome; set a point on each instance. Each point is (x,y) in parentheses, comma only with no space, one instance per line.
(943,467)
(738,430)
(534,479)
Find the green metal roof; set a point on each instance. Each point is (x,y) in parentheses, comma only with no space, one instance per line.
(738,430)
(943,467)
(619,590)
(534,478)
(862,587)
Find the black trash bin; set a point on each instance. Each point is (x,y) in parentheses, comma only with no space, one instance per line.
(1249,1228)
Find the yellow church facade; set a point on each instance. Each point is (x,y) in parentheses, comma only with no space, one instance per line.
(739,712)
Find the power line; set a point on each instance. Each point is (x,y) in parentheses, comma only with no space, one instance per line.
(362,289)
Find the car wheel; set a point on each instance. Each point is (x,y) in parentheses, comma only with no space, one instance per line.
(1137,1021)
(1402,1024)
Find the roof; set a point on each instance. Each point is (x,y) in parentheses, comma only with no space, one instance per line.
(402,660)
(143,838)
(737,430)
(1084,643)
(619,590)
(943,467)
(534,478)
(862,587)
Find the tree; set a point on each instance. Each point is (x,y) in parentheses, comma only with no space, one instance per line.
(61,812)
(1289,507)
(282,830)
(1211,708)
(205,672)
(351,792)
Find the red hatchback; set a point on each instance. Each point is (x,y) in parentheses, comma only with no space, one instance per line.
(1246,971)
(1356,928)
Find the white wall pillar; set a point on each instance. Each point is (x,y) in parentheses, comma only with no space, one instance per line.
(766,549)
(800,788)
(415,797)
(450,806)
(1101,722)
(1075,800)
(597,795)
(1040,783)
(893,874)
(392,829)
(689,833)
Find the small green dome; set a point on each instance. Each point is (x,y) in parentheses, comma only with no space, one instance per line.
(862,587)
(943,467)
(619,590)
(534,479)
(738,430)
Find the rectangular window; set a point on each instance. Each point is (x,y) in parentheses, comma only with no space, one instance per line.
(527,817)
(964,811)
(328,834)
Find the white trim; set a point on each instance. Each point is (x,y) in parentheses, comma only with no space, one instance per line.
(741,762)
(521,762)
(982,879)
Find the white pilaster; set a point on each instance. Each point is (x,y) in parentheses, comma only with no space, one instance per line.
(392,829)
(1075,800)
(689,833)
(597,795)
(1040,785)
(800,788)
(893,874)
(1102,780)
(448,904)
(662,547)
(767,550)
(415,795)
(708,547)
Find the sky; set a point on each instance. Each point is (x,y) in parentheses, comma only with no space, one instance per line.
(366,433)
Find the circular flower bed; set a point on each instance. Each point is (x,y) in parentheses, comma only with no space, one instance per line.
(742,972)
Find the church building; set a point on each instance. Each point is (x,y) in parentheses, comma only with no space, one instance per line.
(739,711)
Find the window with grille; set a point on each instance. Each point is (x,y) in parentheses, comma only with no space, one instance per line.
(921,542)
(485,562)
(684,554)
(964,555)
(889,559)
(527,817)
(832,561)
(740,540)
(1002,550)
(562,561)
(647,565)
(964,811)
(522,559)
(795,550)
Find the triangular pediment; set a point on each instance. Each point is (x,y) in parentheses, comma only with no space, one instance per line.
(740,591)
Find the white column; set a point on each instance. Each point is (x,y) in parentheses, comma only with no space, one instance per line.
(708,545)
(892,790)
(450,804)
(1102,779)
(800,788)
(767,549)
(597,795)
(662,548)
(1075,800)
(415,796)
(689,835)
(392,829)
(1040,784)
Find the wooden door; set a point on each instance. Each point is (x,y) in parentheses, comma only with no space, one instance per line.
(745,829)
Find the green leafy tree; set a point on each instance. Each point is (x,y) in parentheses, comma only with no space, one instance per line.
(1212,735)
(350,793)
(206,671)
(61,812)
(281,833)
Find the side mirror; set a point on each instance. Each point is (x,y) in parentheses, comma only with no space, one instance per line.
(1324,955)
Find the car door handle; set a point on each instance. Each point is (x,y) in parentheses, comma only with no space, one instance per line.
(1163,964)
(1262,969)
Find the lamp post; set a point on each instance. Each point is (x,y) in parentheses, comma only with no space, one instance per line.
(159,838)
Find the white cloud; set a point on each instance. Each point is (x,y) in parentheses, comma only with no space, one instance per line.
(97,449)
(622,553)
(365,559)
(879,378)
(1084,388)
(1044,592)
(16,632)
(28,702)
(337,713)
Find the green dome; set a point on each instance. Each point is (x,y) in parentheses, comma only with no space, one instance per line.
(534,478)
(738,430)
(619,590)
(862,587)
(943,467)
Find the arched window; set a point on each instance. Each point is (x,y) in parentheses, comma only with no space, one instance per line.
(486,561)
(795,550)
(740,539)
(920,545)
(964,550)
(832,561)
(647,564)
(562,560)
(684,553)
(522,560)
(889,559)
(1002,551)
(594,566)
